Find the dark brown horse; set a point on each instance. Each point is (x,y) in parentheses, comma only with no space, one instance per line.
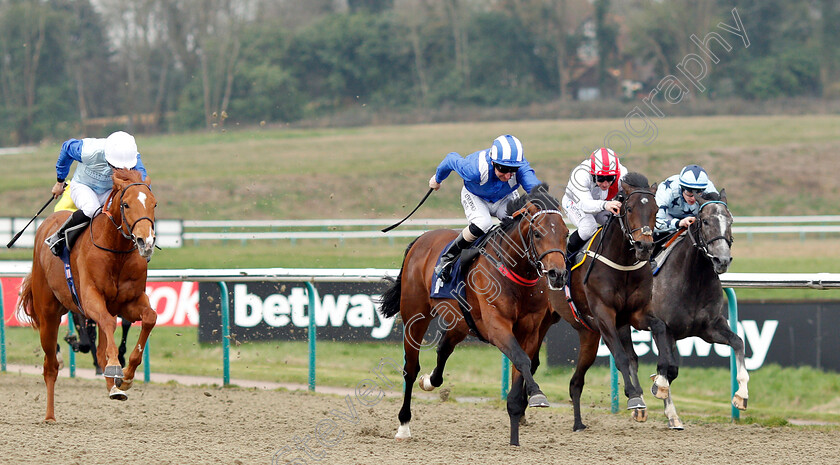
(612,290)
(687,293)
(506,299)
(110,277)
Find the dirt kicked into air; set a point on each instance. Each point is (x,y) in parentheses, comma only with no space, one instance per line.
(175,424)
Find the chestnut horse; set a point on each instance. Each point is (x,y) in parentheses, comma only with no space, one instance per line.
(110,279)
(505,299)
(611,290)
(688,295)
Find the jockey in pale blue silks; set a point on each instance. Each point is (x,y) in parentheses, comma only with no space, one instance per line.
(92,183)
(675,196)
(491,179)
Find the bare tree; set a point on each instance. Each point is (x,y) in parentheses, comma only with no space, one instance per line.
(414,14)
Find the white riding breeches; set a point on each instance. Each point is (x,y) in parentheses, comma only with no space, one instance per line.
(86,199)
(481,212)
(586,223)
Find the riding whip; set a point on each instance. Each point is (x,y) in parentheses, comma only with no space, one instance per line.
(14,239)
(409,215)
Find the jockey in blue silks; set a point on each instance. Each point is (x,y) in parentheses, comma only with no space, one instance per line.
(675,196)
(92,183)
(491,179)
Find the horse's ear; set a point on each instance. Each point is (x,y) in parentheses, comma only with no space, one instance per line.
(653,187)
(723,195)
(148,181)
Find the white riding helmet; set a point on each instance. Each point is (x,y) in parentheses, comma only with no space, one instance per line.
(603,162)
(694,177)
(121,150)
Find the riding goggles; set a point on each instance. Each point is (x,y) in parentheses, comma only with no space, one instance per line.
(692,192)
(505,169)
(600,178)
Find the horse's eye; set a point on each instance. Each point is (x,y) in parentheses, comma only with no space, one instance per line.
(125,205)
(629,209)
(537,235)
(705,222)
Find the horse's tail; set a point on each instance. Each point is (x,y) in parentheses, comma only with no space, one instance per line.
(390,301)
(25,302)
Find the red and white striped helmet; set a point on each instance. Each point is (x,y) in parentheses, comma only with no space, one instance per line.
(603,162)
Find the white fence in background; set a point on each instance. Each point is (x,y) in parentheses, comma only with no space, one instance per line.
(173,233)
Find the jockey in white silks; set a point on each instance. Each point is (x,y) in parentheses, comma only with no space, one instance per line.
(590,194)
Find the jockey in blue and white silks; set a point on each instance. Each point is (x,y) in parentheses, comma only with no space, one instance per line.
(92,182)
(491,179)
(678,207)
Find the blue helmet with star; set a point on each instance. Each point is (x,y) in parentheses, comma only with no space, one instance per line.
(694,177)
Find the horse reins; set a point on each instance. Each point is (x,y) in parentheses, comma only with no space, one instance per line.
(531,252)
(124,221)
(627,232)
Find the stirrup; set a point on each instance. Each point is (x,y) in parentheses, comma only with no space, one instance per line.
(444,268)
(54,242)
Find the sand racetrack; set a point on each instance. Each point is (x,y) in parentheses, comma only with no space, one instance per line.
(176,424)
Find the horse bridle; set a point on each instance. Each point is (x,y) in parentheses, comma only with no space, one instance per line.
(699,241)
(646,231)
(122,226)
(532,250)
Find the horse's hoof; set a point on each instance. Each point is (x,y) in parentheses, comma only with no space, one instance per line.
(660,392)
(113,371)
(403,433)
(675,424)
(640,415)
(49,421)
(636,403)
(117,394)
(579,428)
(538,400)
(739,402)
(425,384)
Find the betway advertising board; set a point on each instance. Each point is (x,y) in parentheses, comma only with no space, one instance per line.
(268,310)
(789,334)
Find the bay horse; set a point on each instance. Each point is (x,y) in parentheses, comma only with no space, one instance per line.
(505,299)
(110,279)
(612,290)
(688,295)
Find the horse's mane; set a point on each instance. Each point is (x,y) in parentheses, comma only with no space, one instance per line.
(539,196)
(707,196)
(126,175)
(635,179)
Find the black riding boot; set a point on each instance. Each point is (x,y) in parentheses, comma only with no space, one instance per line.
(573,246)
(58,241)
(444,268)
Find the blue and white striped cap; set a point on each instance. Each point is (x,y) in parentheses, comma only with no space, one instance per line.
(507,151)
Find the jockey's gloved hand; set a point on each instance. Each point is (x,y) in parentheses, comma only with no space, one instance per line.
(433,182)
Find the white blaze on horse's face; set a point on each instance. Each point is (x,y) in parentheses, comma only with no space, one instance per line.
(719,224)
(142,224)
